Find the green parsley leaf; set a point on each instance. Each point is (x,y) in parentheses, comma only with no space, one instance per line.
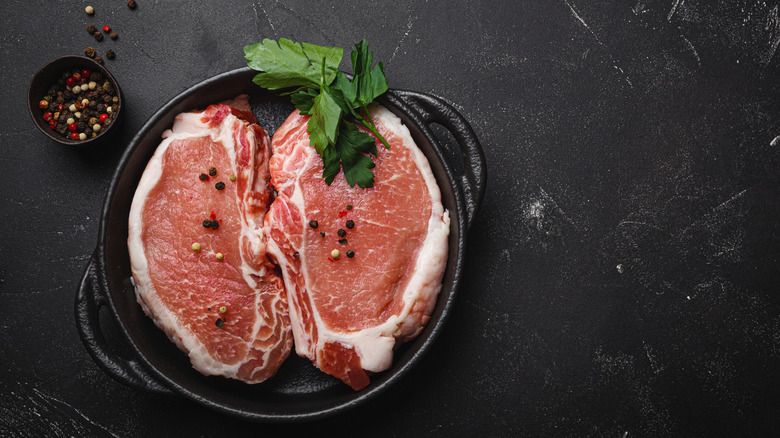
(335,104)
(324,122)
(288,64)
(304,101)
(352,146)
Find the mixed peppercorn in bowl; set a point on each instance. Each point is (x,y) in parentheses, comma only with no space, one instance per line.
(74,100)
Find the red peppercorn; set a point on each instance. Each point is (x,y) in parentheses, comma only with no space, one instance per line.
(59,107)
(53,124)
(103,117)
(48,116)
(106,29)
(71,81)
(72,128)
(74,135)
(43,104)
(85,73)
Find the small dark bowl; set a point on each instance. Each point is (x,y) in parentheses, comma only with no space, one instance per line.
(47,76)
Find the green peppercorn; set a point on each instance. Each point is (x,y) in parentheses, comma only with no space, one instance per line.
(314,224)
(350,253)
(223,310)
(196,246)
(220,257)
(232,177)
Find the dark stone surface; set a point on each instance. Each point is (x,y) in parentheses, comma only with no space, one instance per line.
(623,272)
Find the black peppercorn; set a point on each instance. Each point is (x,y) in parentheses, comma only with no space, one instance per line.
(207,223)
(113,35)
(81,126)
(341,232)
(313,224)
(91,28)
(214,224)
(99,60)
(203,177)
(343,241)
(350,253)
(322,234)
(98,36)
(350,224)
(89,51)
(131,4)
(219,186)
(212,171)
(110,54)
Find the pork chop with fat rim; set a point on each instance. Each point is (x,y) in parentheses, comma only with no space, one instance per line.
(197,250)
(348,313)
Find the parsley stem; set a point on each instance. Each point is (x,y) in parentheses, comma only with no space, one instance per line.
(369,124)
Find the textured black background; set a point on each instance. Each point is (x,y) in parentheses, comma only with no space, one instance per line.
(622,276)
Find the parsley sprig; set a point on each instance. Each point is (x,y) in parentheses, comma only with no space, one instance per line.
(336,104)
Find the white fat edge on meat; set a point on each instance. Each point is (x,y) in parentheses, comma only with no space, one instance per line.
(374,345)
(186,125)
(301,342)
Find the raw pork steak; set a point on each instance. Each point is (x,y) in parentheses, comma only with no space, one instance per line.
(182,289)
(347,313)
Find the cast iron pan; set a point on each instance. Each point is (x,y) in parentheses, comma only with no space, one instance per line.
(299,392)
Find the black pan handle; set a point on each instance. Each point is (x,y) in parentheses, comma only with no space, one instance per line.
(432,109)
(90,298)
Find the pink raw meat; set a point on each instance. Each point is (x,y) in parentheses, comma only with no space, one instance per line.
(182,290)
(347,313)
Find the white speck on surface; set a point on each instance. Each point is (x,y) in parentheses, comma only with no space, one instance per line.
(773,26)
(775,141)
(676,4)
(409,24)
(639,8)
(693,50)
(619,268)
(598,41)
